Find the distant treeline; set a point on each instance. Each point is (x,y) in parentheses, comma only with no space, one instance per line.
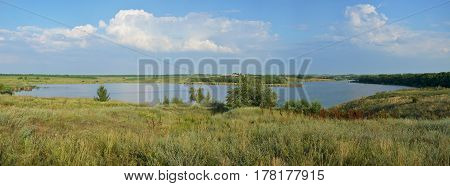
(88,76)
(414,80)
(266,79)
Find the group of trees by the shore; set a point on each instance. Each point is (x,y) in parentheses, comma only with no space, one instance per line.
(248,92)
(251,92)
(198,96)
(414,80)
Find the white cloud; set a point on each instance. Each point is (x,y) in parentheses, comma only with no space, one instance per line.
(101,24)
(51,40)
(193,32)
(140,29)
(365,15)
(393,38)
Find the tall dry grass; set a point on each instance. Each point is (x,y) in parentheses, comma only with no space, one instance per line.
(58,131)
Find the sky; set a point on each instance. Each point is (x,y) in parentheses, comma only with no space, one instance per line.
(109,37)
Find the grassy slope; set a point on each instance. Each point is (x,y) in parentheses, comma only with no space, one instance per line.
(425,103)
(59,131)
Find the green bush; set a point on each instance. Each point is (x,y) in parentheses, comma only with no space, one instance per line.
(5,90)
(218,107)
(315,107)
(166,100)
(302,106)
(177,101)
(102,94)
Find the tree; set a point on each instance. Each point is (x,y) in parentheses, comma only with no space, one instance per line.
(252,93)
(177,101)
(200,95)
(257,92)
(102,94)
(231,97)
(192,95)
(166,100)
(234,97)
(208,98)
(415,80)
(269,98)
(244,90)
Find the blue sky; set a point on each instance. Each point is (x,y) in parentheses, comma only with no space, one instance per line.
(223,29)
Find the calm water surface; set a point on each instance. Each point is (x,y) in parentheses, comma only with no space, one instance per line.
(329,93)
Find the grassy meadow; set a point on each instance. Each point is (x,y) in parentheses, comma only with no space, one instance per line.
(421,103)
(61,131)
(405,127)
(32,80)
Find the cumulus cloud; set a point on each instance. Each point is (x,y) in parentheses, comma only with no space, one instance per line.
(197,32)
(193,32)
(50,40)
(101,24)
(393,38)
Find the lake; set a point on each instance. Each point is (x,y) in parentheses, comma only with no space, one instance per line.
(329,93)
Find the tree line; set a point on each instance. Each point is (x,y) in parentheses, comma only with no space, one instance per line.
(414,80)
(267,79)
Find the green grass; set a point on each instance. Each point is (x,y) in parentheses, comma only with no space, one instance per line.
(60,131)
(31,80)
(424,103)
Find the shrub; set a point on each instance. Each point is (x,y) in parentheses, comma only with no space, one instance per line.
(296,106)
(315,107)
(102,94)
(177,101)
(200,95)
(166,100)
(5,90)
(218,107)
(192,95)
(302,107)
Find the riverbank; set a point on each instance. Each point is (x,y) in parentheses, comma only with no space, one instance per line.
(26,82)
